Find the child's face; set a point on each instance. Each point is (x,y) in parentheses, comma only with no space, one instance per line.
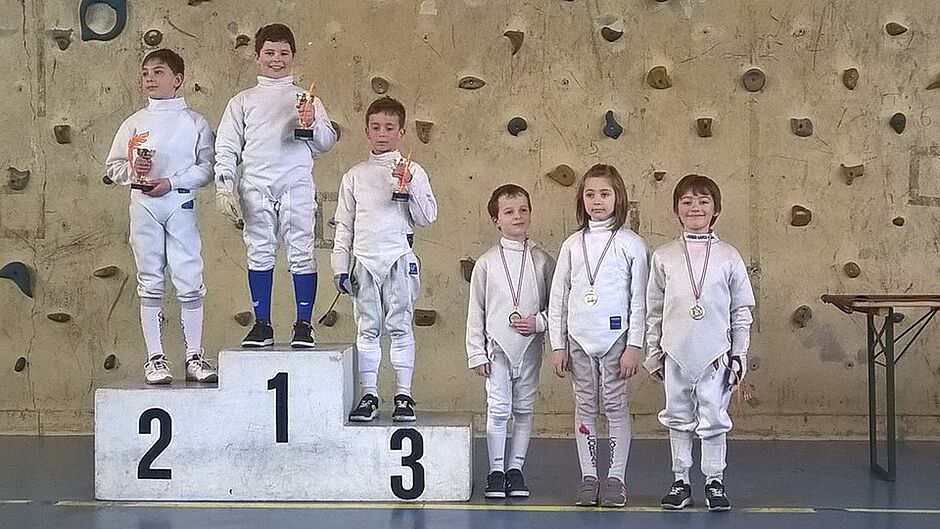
(275,60)
(513,217)
(599,198)
(158,81)
(384,132)
(696,212)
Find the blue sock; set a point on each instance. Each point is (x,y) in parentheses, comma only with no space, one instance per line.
(260,283)
(305,293)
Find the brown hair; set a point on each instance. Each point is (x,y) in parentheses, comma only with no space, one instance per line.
(387,105)
(509,191)
(168,57)
(610,173)
(698,185)
(274,33)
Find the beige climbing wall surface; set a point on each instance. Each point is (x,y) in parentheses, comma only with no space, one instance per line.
(574,62)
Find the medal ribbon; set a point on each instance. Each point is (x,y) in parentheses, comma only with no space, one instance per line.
(516,295)
(592,276)
(696,289)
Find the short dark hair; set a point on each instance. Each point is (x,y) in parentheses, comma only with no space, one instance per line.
(389,106)
(621,204)
(698,185)
(509,191)
(167,57)
(274,33)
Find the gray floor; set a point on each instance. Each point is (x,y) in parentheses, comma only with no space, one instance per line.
(48,482)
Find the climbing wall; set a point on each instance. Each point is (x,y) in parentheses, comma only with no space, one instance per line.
(816,118)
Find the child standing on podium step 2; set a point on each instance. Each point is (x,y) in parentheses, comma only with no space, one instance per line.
(506,322)
(165,152)
(597,313)
(380,201)
(276,187)
(698,331)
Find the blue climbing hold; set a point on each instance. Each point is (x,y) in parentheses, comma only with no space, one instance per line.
(18,273)
(120,11)
(612,129)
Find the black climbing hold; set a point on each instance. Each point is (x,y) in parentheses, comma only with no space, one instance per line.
(59,317)
(934,85)
(898,122)
(424,130)
(802,315)
(18,273)
(658,78)
(517,125)
(153,37)
(20,364)
(610,34)
(17,179)
(898,221)
(754,80)
(703,127)
(800,216)
(471,83)
(336,129)
(850,78)
(120,10)
(894,29)
(62,38)
(612,129)
(196,87)
(62,133)
(515,38)
(466,268)
(244,318)
(659,175)
(106,271)
(897,317)
(425,317)
(563,174)
(379,85)
(329,319)
(110,362)
(196,2)
(106,180)
(851,269)
(240,224)
(802,127)
(242,40)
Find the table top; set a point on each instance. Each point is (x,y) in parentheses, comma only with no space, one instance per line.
(872,303)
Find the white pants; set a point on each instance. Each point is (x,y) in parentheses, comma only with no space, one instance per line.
(511,393)
(164,232)
(288,213)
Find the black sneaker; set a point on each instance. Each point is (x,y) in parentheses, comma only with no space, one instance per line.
(495,485)
(715,498)
(261,335)
(679,497)
(515,484)
(367,409)
(303,336)
(404,408)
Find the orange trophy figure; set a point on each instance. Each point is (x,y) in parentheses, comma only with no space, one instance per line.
(304,105)
(403,170)
(135,145)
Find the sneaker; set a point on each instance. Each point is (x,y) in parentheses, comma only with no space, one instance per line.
(495,485)
(157,371)
(587,492)
(715,498)
(679,496)
(198,369)
(515,484)
(366,410)
(261,335)
(303,336)
(614,493)
(404,409)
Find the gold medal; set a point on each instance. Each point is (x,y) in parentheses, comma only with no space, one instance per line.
(590,299)
(697,312)
(514,317)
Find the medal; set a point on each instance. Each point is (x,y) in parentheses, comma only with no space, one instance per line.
(514,317)
(516,294)
(697,312)
(590,299)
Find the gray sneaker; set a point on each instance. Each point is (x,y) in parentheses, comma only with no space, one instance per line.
(198,369)
(614,493)
(587,492)
(157,371)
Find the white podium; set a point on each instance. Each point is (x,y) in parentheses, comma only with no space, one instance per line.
(274,429)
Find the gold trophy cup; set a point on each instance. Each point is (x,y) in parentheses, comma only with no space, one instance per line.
(304,132)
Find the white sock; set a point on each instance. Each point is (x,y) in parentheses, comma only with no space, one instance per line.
(620,436)
(713,457)
(402,354)
(586,438)
(369,355)
(680,444)
(496,442)
(191,317)
(151,323)
(521,433)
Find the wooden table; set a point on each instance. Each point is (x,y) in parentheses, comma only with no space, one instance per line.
(881,352)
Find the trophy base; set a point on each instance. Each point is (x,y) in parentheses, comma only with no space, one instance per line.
(400,197)
(303,134)
(143,187)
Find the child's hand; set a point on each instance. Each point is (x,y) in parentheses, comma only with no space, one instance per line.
(403,173)
(560,362)
(142,165)
(161,186)
(307,113)
(524,326)
(226,203)
(629,361)
(483,370)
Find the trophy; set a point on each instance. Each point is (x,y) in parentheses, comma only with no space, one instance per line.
(304,132)
(401,192)
(136,145)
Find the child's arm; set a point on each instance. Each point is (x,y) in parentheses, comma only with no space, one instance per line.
(655,296)
(118,166)
(548,271)
(345,217)
(200,174)
(742,301)
(476,318)
(229,144)
(324,137)
(639,277)
(422,205)
(558,311)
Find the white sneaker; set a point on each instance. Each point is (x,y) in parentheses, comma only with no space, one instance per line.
(157,371)
(198,369)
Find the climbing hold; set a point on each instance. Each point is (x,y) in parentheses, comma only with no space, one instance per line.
(425,317)
(898,122)
(658,78)
(703,126)
(850,78)
(329,319)
(800,216)
(515,38)
(17,179)
(894,29)
(153,37)
(563,174)
(196,87)
(516,125)
(612,129)
(110,362)
(242,40)
(898,221)
(754,80)
(851,172)
(106,271)
(753,362)
(196,2)
(802,315)
(106,180)
(20,364)
(802,127)
(244,318)
(611,34)
(934,85)
(120,11)
(424,130)
(240,224)
(18,273)
(379,85)
(62,133)
(62,37)
(471,83)
(851,269)
(897,317)
(60,317)
(336,129)
(466,268)
(659,175)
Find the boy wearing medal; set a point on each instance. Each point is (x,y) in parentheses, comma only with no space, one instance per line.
(699,305)
(506,321)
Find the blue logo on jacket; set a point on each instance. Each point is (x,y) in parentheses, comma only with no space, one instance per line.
(616,323)
(413,268)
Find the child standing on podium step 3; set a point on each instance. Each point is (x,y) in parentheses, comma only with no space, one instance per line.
(698,329)
(506,322)
(164,233)
(597,312)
